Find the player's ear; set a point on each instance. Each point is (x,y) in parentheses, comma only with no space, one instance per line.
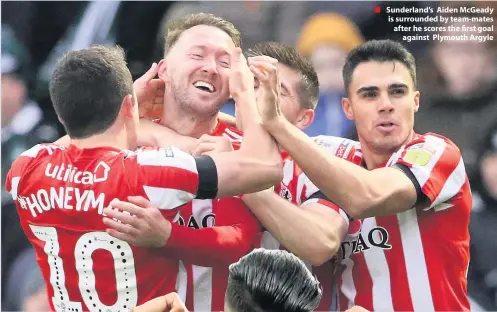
(347,108)
(127,106)
(416,101)
(162,70)
(305,118)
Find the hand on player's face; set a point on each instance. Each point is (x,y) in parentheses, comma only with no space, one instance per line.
(208,144)
(265,70)
(168,303)
(150,94)
(142,226)
(241,80)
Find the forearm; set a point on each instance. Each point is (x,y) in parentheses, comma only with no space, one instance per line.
(360,192)
(257,165)
(228,119)
(307,234)
(212,245)
(256,140)
(153,134)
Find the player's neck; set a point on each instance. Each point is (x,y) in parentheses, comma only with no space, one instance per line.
(374,158)
(186,123)
(105,139)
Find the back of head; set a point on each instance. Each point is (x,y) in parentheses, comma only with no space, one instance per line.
(271,280)
(287,55)
(176,27)
(88,87)
(378,51)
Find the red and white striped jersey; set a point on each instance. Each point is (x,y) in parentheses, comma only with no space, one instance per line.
(416,260)
(209,236)
(298,189)
(60,194)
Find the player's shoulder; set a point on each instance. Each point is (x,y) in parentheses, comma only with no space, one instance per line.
(431,144)
(340,147)
(37,153)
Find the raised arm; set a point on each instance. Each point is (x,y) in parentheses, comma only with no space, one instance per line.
(313,232)
(257,165)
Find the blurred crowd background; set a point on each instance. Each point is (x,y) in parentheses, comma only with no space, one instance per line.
(457,80)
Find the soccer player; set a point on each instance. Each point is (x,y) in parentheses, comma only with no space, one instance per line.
(317,245)
(209,235)
(60,192)
(412,191)
(271,280)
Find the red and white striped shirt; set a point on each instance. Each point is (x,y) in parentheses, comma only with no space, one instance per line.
(416,260)
(209,236)
(60,194)
(298,189)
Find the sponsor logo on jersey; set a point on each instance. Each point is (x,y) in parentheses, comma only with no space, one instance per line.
(285,193)
(418,156)
(208,220)
(376,238)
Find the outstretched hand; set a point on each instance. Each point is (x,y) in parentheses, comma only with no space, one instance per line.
(265,70)
(150,94)
(241,80)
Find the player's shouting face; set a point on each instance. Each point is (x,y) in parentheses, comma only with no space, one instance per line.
(382,100)
(197,68)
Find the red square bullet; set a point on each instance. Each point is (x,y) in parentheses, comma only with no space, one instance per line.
(377,9)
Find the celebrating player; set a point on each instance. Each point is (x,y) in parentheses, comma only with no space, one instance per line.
(412,190)
(280,216)
(209,235)
(60,192)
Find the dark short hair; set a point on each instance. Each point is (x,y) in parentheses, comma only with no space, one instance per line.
(271,280)
(287,55)
(378,51)
(88,87)
(176,27)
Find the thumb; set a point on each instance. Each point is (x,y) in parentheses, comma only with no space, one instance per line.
(150,74)
(140,201)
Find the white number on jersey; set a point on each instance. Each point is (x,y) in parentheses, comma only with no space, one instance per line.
(127,294)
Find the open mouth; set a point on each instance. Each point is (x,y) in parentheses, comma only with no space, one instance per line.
(204,86)
(387,124)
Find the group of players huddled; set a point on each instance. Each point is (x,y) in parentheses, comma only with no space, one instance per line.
(153,201)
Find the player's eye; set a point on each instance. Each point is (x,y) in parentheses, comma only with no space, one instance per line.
(398,91)
(369,94)
(196,56)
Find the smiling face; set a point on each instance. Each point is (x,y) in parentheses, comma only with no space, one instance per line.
(382,101)
(197,69)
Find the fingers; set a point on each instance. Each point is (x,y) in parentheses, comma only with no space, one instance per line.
(264,71)
(121,236)
(174,303)
(237,56)
(129,207)
(140,201)
(119,227)
(263,58)
(204,147)
(208,138)
(150,74)
(123,217)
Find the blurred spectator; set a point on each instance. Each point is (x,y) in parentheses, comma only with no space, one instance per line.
(25,288)
(459,93)
(482,277)
(130,24)
(326,39)
(23,126)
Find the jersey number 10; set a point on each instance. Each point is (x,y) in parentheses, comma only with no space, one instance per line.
(127,295)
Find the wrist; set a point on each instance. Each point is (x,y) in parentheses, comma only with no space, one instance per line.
(274,123)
